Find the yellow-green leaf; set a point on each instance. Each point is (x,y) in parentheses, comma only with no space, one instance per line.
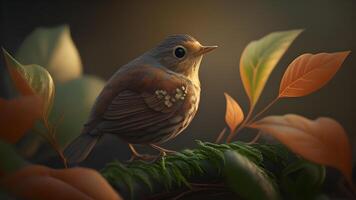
(37,78)
(53,49)
(234,114)
(259,59)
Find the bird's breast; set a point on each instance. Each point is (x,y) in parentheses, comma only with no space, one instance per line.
(191,105)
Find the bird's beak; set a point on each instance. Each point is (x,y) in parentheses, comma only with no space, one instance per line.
(206,49)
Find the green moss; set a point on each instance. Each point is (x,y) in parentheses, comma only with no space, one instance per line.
(205,164)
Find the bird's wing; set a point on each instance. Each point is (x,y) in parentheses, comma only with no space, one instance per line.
(152,101)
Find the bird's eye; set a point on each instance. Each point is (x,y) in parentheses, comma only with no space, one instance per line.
(179,52)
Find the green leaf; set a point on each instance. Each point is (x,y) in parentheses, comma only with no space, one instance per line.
(37,78)
(303,179)
(247,180)
(274,153)
(53,49)
(126,177)
(259,59)
(73,102)
(140,174)
(178,176)
(248,151)
(10,160)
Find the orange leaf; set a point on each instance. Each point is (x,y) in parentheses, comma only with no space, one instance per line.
(18,115)
(43,187)
(234,115)
(309,72)
(87,181)
(40,182)
(322,141)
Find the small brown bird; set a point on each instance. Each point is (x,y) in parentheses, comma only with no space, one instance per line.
(149,100)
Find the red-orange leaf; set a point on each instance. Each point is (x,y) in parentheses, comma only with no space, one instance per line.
(309,72)
(40,182)
(18,115)
(87,181)
(322,141)
(234,115)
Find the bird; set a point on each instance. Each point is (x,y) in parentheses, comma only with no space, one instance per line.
(147,101)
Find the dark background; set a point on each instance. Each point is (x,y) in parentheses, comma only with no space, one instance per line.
(108,34)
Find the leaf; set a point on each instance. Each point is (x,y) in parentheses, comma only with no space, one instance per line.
(18,116)
(234,114)
(247,180)
(259,59)
(52,48)
(10,160)
(141,175)
(37,81)
(87,181)
(309,72)
(322,141)
(302,179)
(73,101)
(40,182)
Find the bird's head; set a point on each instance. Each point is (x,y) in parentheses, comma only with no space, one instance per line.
(181,54)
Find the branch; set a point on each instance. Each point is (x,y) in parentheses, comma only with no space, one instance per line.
(190,172)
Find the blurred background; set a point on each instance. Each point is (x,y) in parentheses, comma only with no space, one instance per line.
(108,34)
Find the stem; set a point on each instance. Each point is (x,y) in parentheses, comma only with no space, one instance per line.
(350,186)
(262,111)
(196,187)
(53,141)
(215,185)
(221,135)
(254,140)
(196,190)
(247,120)
(59,152)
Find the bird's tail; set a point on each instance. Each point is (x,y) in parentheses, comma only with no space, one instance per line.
(80,148)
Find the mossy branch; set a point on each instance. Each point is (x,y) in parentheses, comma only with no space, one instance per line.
(200,169)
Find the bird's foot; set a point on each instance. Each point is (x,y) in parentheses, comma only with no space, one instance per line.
(138,156)
(144,157)
(163,151)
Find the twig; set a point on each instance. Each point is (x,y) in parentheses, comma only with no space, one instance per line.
(195,190)
(262,111)
(249,121)
(215,185)
(58,121)
(196,187)
(220,136)
(349,187)
(254,140)
(52,140)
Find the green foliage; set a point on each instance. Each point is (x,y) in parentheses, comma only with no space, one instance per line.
(259,59)
(209,163)
(10,160)
(52,48)
(72,105)
(301,178)
(248,180)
